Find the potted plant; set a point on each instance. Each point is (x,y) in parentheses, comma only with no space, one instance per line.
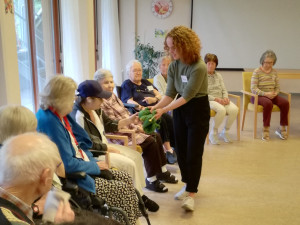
(148,57)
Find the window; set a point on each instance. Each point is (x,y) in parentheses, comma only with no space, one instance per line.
(24,53)
(31,23)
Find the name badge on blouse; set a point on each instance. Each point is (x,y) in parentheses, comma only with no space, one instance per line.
(150,88)
(184,79)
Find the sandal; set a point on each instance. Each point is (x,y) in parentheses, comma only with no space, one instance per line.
(266,135)
(167,177)
(156,186)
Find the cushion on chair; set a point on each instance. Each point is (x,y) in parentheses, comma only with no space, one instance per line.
(260,108)
(212,113)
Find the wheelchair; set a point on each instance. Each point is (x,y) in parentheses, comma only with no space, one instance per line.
(84,200)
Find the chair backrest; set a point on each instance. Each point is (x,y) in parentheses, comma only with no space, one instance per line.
(119,89)
(150,80)
(246,87)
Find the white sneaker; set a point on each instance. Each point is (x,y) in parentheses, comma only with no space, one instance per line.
(226,137)
(181,194)
(214,139)
(281,134)
(188,203)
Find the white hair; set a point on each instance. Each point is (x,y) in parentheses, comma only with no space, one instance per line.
(161,59)
(130,64)
(57,91)
(102,74)
(14,120)
(23,158)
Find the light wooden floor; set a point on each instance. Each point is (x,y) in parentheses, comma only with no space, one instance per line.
(250,182)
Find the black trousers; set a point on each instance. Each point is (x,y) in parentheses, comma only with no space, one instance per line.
(153,155)
(166,130)
(191,125)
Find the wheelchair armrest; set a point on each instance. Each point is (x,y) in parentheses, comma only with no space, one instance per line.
(76,175)
(130,105)
(69,186)
(97,153)
(97,202)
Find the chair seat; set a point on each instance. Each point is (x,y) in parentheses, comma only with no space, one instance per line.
(212,113)
(260,108)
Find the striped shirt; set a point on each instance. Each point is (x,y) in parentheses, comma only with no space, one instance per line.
(115,110)
(262,82)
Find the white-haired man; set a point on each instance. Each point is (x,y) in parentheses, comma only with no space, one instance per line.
(28,162)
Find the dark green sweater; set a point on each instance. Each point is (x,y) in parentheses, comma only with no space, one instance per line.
(190,81)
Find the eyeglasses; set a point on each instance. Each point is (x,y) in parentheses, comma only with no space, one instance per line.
(269,63)
(137,71)
(57,166)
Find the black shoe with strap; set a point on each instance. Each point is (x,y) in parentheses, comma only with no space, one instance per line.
(156,186)
(167,177)
(151,205)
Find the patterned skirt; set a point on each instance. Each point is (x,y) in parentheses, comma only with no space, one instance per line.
(120,193)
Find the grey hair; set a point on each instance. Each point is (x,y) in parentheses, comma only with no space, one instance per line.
(102,74)
(161,59)
(268,54)
(130,64)
(24,157)
(56,91)
(14,120)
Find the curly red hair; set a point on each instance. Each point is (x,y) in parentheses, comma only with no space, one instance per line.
(187,42)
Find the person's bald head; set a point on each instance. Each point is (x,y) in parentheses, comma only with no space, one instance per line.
(25,157)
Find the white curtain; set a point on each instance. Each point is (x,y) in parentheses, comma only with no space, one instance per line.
(48,40)
(111,54)
(75,39)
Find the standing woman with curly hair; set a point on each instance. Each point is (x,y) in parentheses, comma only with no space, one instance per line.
(187,78)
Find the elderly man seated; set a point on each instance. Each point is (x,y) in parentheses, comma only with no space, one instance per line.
(28,162)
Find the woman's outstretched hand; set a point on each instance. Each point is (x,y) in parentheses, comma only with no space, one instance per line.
(159,112)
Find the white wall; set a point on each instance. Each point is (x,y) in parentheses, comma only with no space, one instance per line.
(136,18)
(147,22)
(239,31)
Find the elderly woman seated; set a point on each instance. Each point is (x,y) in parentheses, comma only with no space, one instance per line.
(265,84)
(160,80)
(219,101)
(88,115)
(142,92)
(96,121)
(74,143)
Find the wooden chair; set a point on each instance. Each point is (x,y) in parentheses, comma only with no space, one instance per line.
(124,138)
(238,104)
(247,105)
